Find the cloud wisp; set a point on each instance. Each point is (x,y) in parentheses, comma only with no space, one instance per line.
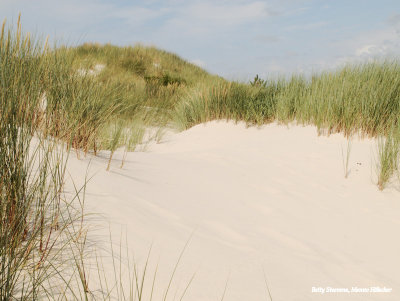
(236,38)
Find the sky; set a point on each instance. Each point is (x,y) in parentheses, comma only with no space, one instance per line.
(236,39)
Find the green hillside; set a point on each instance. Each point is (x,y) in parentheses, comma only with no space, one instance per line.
(144,76)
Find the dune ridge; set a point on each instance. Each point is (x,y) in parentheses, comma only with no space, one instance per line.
(271,199)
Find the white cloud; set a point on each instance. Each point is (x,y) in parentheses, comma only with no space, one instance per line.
(383,43)
(211,20)
(375,44)
(228,13)
(394,20)
(230,35)
(136,15)
(368,46)
(306,26)
(198,63)
(371,50)
(263,38)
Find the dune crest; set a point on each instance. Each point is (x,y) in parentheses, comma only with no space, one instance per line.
(273,198)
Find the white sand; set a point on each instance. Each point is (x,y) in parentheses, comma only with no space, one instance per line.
(93,71)
(272,199)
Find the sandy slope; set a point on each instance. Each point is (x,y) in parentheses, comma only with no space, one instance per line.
(272,199)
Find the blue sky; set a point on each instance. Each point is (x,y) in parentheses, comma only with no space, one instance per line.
(236,39)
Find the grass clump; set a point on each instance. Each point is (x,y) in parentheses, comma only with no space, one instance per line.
(47,107)
(35,219)
(93,86)
(226,100)
(145,76)
(132,137)
(388,156)
(77,107)
(114,140)
(356,98)
(346,158)
(362,98)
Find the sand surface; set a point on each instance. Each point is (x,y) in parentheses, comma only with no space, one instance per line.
(257,204)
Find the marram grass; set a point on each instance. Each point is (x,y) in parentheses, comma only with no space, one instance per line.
(46,100)
(35,224)
(362,99)
(48,107)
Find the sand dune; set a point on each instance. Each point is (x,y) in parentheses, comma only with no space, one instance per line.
(273,199)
